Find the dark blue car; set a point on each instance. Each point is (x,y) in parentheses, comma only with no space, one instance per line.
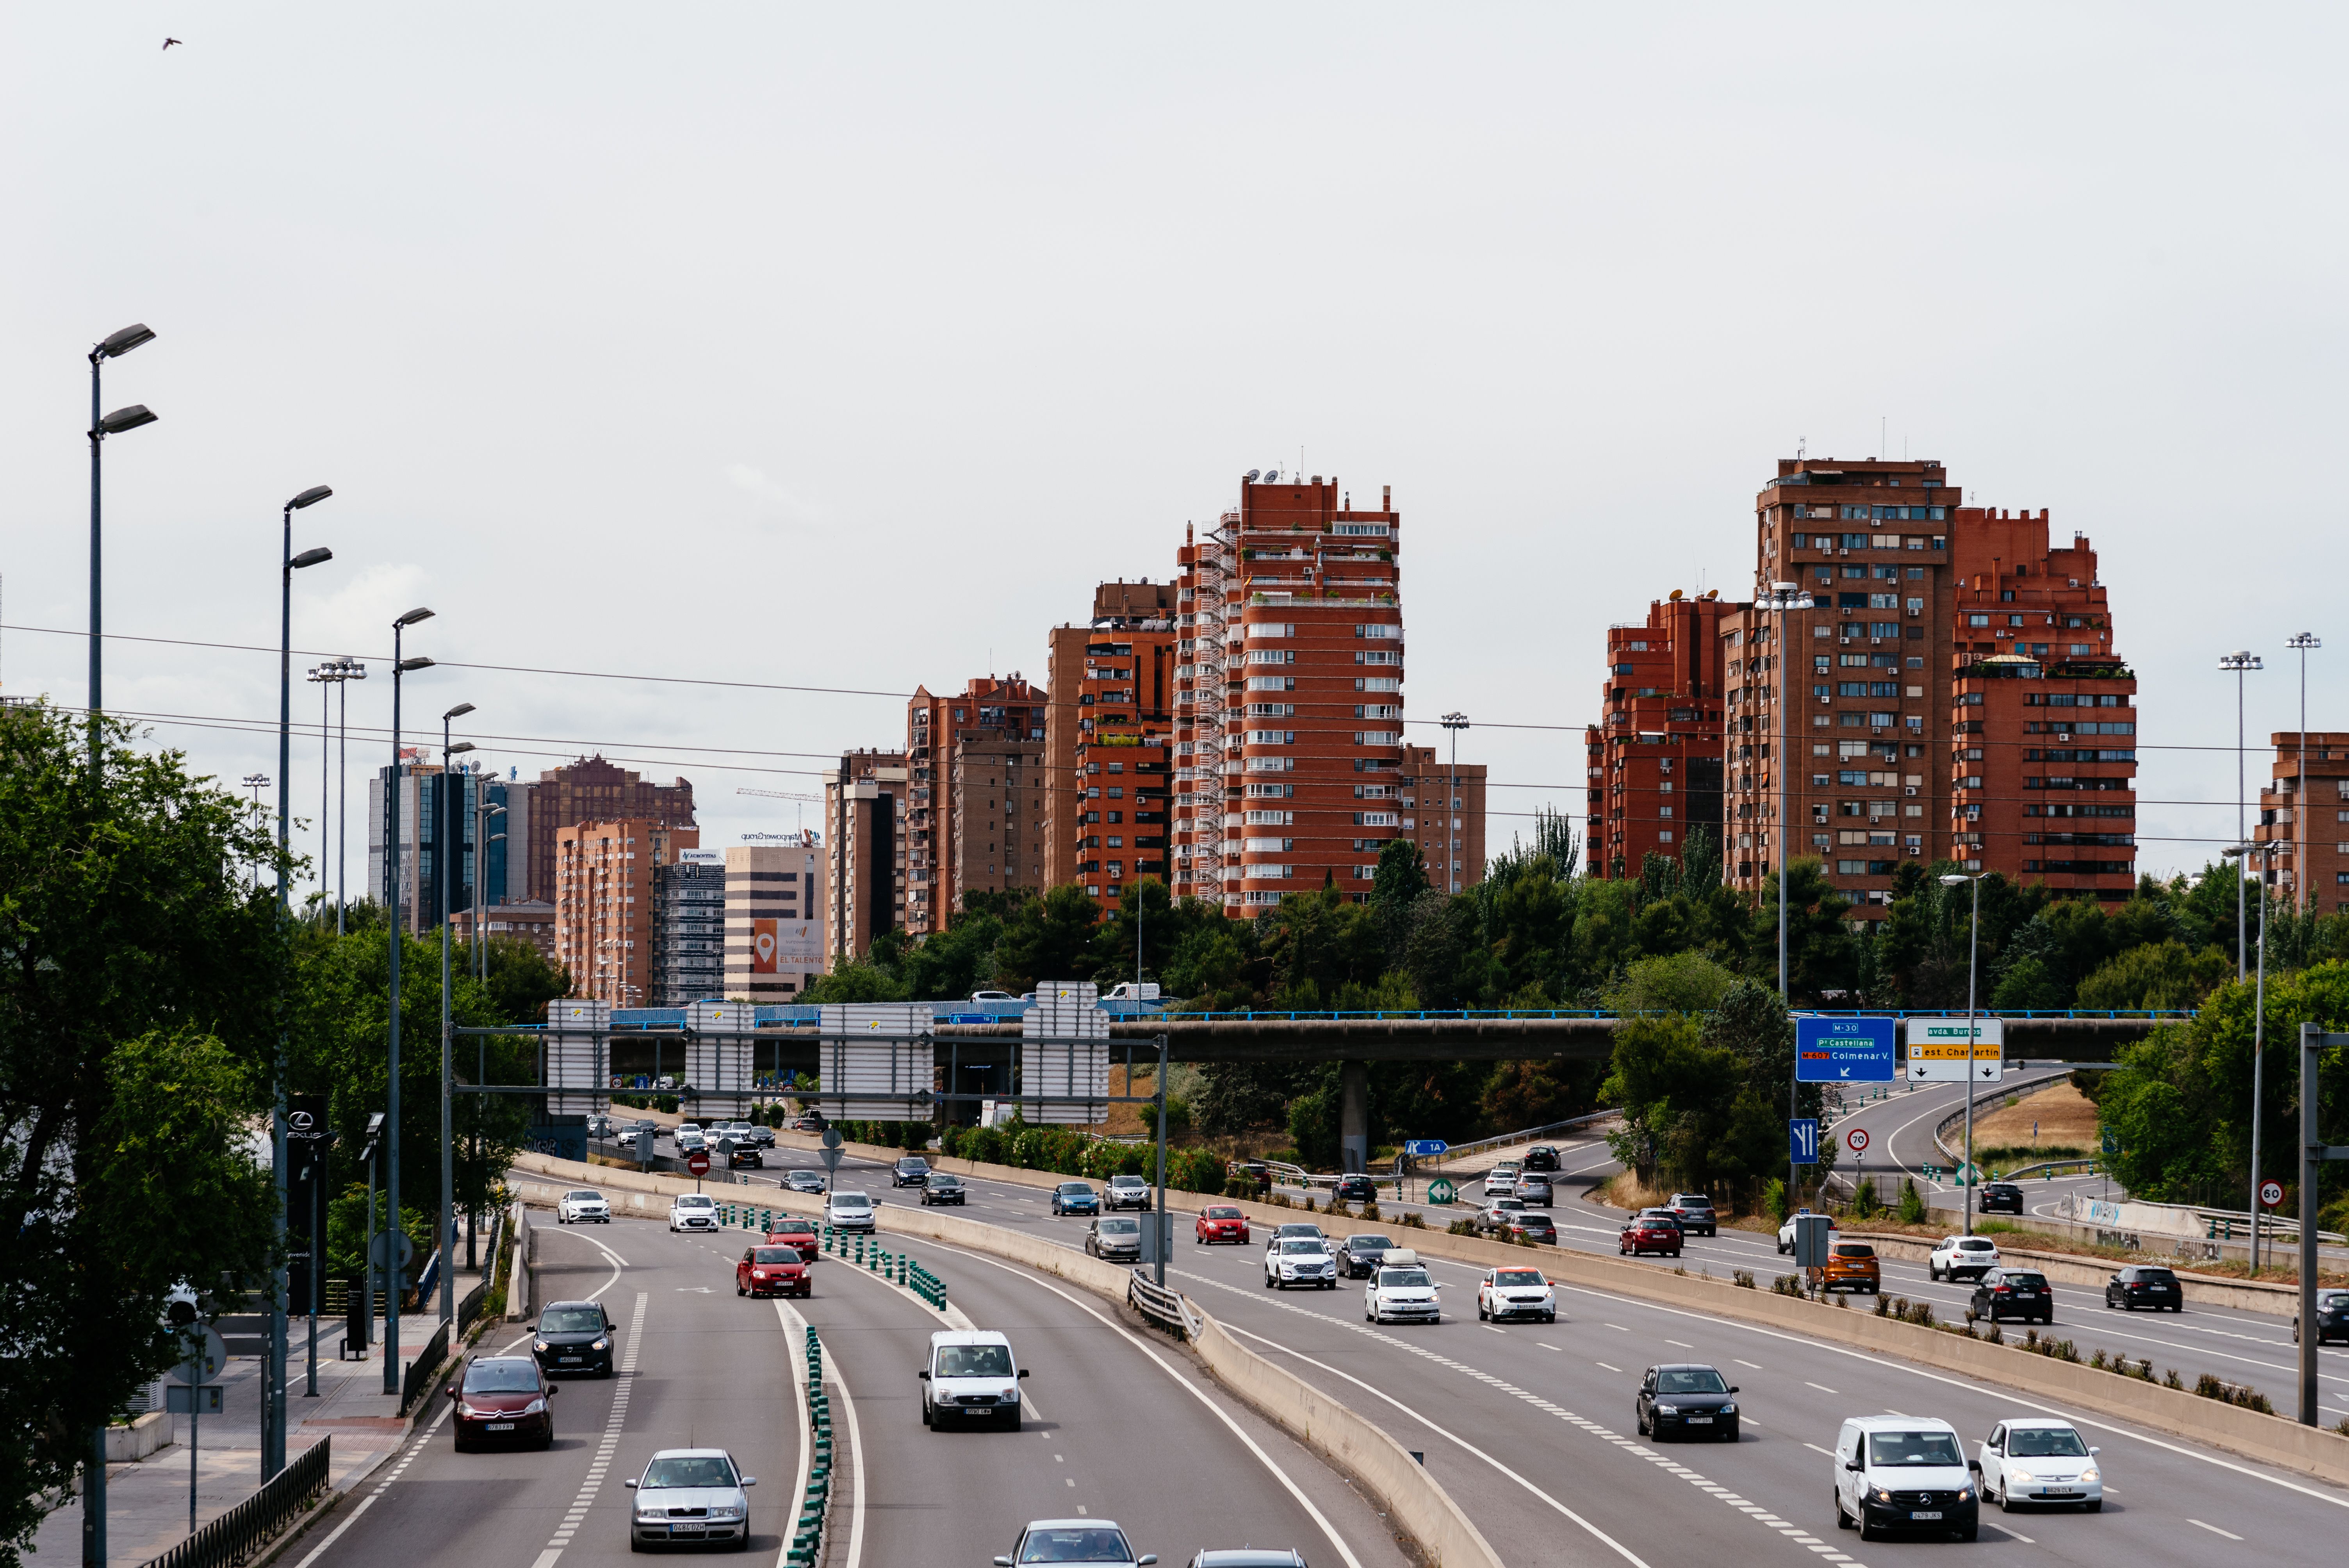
(1075,1198)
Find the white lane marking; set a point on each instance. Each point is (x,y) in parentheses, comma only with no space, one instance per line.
(2215,1529)
(623,1381)
(795,1345)
(1545,1345)
(1619,1328)
(855,1459)
(1681,1343)
(1821,1386)
(1742,1362)
(546,1559)
(1328,1529)
(1490,1329)
(2002,1529)
(1816,1449)
(1609,1368)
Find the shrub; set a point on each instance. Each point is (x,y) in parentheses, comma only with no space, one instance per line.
(1786,1285)
(1912,1203)
(1775,1202)
(1743,1279)
(666,1104)
(1371,1213)
(1864,1202)
(1461,1228)
(1195,1170)
(2237,1394)
(1412,1222)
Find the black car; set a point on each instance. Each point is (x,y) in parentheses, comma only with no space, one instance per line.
(743,1153)
(911,1171)
(2331,1318)
(2014,1293)
(1358,1256)
(1998,1198)
(1532,1227)
(1355,1189)
(574,1336)
(1686,1398)
(938,1187)
(2139,1286)
(1540,1157)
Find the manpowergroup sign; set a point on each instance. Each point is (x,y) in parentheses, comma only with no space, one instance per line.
(1938,1049)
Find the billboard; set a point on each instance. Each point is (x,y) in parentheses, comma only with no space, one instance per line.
(780,944)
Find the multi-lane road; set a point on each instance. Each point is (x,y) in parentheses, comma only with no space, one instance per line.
(1119,1426)
(1531,1426)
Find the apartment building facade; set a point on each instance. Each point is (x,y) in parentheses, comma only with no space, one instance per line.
(1289,696)
(1451,841)
(998,798)
(1655,757)
(990,710)
(606,880)
(865,807)
(1112,684)
(2304,806)
(777,908)
(588,790)
(1934,691)
(689,929)
(523,919)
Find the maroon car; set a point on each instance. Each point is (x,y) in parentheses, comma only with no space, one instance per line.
(503,1400)
(772,1271)
(799,1234)
(1649,1232)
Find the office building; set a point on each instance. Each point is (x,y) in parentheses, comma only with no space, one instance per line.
(1451,841)
(1654,757)
(777,916)
(606,874)
(988,712)
(864,813)
(1113,675)
(523,919)
(2314,873)
(1288,695)
(588,790)
(1937,688)
(437,831)
(689,929)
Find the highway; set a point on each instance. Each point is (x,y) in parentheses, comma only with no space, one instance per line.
(1531,1426)
(1120,1427)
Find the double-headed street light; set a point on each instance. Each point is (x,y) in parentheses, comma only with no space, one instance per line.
(1455,723)
(2304,894)
(399,667)
(1973,951)
(1781,598)
(114,346)
(334,673)
(445,857)
(2240,664)
(2241,854)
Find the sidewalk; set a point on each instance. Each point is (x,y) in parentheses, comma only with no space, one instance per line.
(147,1502)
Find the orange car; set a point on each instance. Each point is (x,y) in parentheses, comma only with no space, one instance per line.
(1851,1266)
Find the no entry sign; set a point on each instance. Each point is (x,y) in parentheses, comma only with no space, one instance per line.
(697,1162)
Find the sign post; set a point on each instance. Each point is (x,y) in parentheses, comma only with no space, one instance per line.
(698,1163)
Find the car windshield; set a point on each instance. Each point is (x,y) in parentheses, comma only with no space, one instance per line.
(1121,1227)
(1071,1189)
(1510,1204)
(850,1201)
(940,1179)
(1300,1246)
(974,1361)
(1403,1279)
(1691,1200)
(1075,1544)
(1660,1217)
(584,1197)
(776,1256)
(689,1201)
(912,1165)
(2027,1280)
(1370,1243)
(1300,1229)
(795,1227)
(2044,1442)
(1690,1381)
(513,1376)
(570,1320)
(1919,1449)
(1976,1244)
(1519,1277)
(2332,1300)
(1221,1212)
(697,1470)
(1127,1181)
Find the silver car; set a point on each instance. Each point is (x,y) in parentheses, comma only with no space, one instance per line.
(1098,1542)
(850,1212)
(690,1497)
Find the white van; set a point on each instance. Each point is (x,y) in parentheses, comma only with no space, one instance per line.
(971,1377)
(1903,1473)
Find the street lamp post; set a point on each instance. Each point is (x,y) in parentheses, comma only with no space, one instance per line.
(1973,951)
(1455,723)
(394,1279)
(2304,896)
(2239,663)
(478,965)
(273,1435)
(1781,598)
(335,673)
(2241,854)
(447,826)
(114,346)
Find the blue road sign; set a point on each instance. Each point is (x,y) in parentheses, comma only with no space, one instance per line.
(1845,1050)
(1425,1147)
(1803,1140)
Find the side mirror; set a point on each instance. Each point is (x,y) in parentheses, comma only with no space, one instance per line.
(1852,1463)
(1732,1388)
(1023,1371)
(2093,1450)
(1003,1562)
(1147,1558)
(629,1484)
(553,1389)
(923,1373)
(749,1480)
(450,1391)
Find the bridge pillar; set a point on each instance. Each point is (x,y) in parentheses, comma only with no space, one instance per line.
(1354,1117)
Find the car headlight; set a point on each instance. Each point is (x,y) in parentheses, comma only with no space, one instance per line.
(601,1345)
(651,1515)
(1730,1409)
(1668,1409)
(535,1408)
(2091,1474)
(465,1409)
(1882,1496)
(729,1512)
(1965,1494)
(540,1346)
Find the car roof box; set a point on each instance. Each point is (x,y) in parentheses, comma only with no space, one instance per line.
(1399,1258)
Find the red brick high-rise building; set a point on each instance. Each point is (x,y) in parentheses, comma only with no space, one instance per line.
(1655,756)
(1289,696)
(2314,873)
(593,791)
(1004,717)
(605,908)
(1935,689)
(1108,740)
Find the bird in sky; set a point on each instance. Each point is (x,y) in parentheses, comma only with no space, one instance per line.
(169,42)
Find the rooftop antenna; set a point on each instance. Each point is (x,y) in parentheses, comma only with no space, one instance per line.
(1882,424)
(1802,447)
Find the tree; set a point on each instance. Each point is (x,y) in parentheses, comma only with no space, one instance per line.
(2156,975)
(1048,939)
(1820,954)
(142,958)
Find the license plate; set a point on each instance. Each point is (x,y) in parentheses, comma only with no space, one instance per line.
(570,1360)
(1700,1421)
(1926,1513)
(676,1529)
(499,1427)
(977,1410)
(2058,1492)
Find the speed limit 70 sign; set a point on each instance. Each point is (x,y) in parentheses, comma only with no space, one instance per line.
(1857,1138)
(2270,1194)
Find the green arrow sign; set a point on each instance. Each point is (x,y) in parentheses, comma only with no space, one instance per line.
(1440,1191)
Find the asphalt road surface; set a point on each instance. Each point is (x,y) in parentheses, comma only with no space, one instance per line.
(1121,1427)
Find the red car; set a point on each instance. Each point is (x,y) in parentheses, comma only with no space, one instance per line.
(1220,1222)
(503,1400)
(799,1234)
(777,1270)
(1648,1233)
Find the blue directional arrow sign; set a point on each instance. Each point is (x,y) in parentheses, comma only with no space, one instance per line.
(1803,1140)
(1845,1050)
(1425,1147)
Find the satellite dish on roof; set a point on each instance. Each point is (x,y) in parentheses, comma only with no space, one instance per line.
(1249,477)
(1272,475)
(1676,594)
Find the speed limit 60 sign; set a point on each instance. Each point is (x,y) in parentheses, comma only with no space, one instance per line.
(2270,1194)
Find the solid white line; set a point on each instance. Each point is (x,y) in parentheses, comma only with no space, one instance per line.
(2002,1529)
(795,1356)
(855,1459)
(2215,1529)
(1604,1364)
(1328,1529)
(1742,1362)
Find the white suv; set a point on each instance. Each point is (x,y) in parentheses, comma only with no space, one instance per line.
(1501,1180)
(1971,1256)
(693,1211)
(1516,1293)
(1300,1260)
(850,1212)
(581,1207)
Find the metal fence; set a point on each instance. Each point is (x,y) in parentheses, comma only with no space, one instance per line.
(419,1377)
(1160,1305)
(238,1536)
(470,1307)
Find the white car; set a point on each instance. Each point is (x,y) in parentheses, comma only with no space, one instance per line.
(689,1495)
(1300,1260)
(970,1377)
(693,1211)
(1787,1231)
(1516,1293)
(1096,1542)
(1400,1291)
(1904,1473)
(1968,1257)
(1501,1180)
(2040,1459)
(581,1206)
(850,1212)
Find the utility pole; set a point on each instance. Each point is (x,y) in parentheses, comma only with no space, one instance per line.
(1455,723)
(2304,899)
(448,856)
(395,1278)
(2239,663)
(1781,598)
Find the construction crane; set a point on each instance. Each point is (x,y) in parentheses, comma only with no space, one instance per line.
(778,794)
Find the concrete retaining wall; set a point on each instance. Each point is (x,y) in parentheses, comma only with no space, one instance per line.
(138,1438)
(2066,1268)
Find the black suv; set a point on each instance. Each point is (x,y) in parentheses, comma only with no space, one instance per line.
(743,1153)
(2014,1293)
(2138,1286)
(911,1171)
(1540,1157)
(574,1336)
(938,1187)
(1358,1256)
(1998,1198)
(1355,1189)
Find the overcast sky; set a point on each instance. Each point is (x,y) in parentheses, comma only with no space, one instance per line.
(849,347)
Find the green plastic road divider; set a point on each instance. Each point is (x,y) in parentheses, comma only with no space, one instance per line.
(927,1286)
(807,1535)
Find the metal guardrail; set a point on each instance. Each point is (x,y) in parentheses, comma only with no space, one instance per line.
(236,1537)
(470,1307)
(1504,1139)
(1302,1014)
(419,1374)
(1160,1305)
